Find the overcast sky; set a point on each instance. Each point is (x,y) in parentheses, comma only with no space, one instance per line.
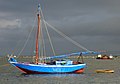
(95,24)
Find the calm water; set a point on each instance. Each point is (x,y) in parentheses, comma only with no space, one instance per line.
(10,75)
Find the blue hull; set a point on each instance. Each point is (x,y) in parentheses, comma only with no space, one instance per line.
(44,68)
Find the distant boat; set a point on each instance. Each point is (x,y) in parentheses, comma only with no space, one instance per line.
(104,57)
(41,66)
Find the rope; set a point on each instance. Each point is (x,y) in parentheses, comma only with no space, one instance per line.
(43,43)
(65,36)
(13,52)
(27,38)
(50,39)
(48,33)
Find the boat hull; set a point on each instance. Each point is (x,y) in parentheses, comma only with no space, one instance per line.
(48,69)
(104,71)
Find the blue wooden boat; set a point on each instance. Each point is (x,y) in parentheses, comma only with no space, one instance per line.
(66,66)
(57,66)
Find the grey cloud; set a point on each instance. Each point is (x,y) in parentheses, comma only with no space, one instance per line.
(86,21)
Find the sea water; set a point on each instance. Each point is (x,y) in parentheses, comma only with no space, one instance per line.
(10,75)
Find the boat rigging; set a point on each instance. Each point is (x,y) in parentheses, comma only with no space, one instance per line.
(57,66)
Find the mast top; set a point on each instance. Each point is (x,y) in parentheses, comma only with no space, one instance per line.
(38,8)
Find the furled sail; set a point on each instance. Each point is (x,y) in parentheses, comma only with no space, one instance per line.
(72,54)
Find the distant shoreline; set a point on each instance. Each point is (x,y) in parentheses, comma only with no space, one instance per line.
(67,57)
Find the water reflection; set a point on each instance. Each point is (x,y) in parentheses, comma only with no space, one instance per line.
(52,75)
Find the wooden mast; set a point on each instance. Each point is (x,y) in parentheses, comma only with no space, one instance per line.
(37,36)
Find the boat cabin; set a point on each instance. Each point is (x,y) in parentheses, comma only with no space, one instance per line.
(61,62)
(64,62)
